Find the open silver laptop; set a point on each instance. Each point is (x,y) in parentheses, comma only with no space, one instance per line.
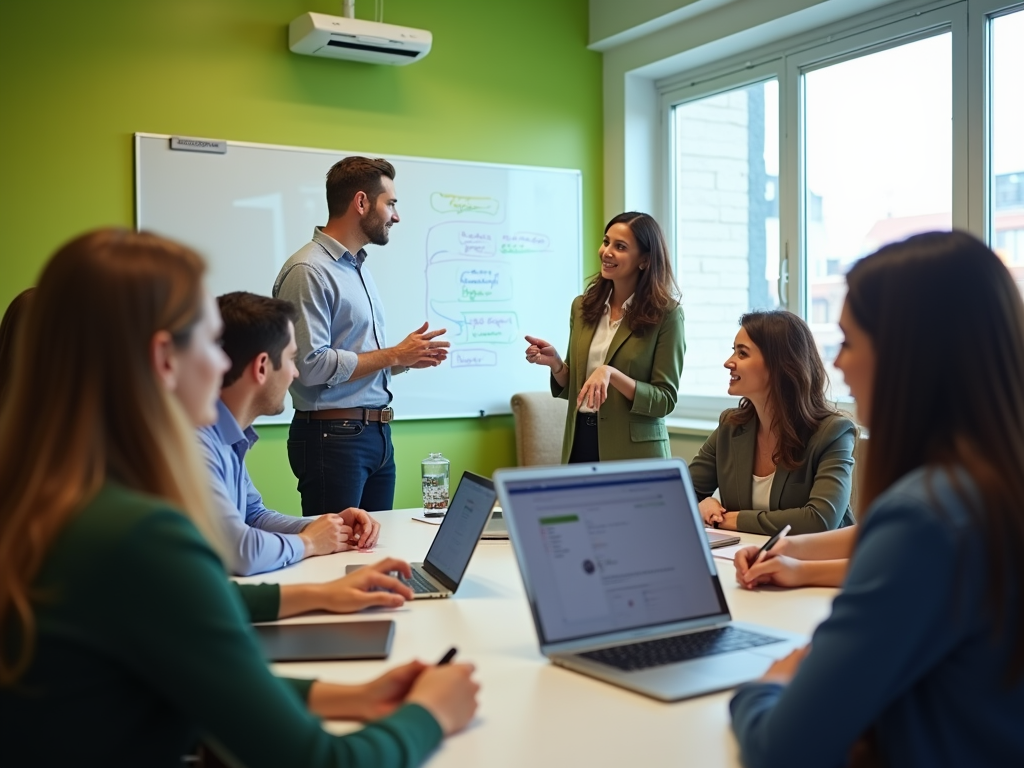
(442,569)
(621,582)
(496,528)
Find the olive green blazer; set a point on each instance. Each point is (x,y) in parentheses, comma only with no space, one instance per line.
(627,429)
(813,497)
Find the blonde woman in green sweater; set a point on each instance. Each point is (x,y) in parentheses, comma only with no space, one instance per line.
(117,621)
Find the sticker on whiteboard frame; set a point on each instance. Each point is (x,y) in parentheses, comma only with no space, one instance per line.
(189,144)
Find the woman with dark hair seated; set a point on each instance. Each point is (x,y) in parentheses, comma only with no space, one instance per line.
(784,456)
(921,662)
(119,629)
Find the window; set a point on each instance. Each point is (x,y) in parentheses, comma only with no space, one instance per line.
(790,161)
(878,166)
(726,161)
(1007,163)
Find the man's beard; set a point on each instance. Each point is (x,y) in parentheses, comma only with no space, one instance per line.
(375,228)
(271,403)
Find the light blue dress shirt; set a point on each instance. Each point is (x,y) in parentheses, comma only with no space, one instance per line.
(340,316)
(258,539)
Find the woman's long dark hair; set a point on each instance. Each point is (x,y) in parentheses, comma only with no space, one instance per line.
(656,292)
(946,323)
(796,382)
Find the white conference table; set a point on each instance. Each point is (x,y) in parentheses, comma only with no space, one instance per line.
(532,713)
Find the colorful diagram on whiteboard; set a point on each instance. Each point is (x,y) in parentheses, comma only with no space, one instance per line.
(470,280)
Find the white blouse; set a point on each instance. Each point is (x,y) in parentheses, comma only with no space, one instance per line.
(762,491)
(603,336)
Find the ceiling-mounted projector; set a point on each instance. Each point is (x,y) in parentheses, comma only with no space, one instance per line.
(335,37)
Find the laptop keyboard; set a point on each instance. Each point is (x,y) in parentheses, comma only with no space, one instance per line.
(419,584)
(669,650)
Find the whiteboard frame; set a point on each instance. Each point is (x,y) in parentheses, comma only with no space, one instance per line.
(286,417)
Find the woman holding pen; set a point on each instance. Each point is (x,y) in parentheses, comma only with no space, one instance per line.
(810,560)
(625,355)
(117,620)
(784,456)
(921,662)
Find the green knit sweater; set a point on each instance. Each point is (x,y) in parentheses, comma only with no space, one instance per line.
(143,647)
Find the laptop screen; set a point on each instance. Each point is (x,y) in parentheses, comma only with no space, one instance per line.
(611,551)
(467,515)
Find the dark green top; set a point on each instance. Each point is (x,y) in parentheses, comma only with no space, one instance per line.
(143,647)
(262,601)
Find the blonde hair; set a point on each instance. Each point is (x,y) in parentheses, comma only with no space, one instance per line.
(86,406)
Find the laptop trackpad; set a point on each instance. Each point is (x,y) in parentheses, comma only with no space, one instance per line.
(733,666)
(702,675)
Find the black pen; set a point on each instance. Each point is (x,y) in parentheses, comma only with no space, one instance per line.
(447,657)
(768,545)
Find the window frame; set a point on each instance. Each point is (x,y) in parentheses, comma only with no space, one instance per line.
(980,61)
(706,407)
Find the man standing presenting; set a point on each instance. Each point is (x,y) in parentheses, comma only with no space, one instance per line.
(259,339)
(339,445)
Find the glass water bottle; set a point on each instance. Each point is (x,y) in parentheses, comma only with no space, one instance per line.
(435,470)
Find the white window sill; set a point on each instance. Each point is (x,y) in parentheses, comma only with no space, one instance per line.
(696,427)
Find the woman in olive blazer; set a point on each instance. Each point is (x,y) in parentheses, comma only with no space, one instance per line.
(784,456)
(625,354)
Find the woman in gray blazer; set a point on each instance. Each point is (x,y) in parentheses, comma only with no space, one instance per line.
(784,456)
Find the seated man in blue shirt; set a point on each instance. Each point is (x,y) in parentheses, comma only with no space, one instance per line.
(259,338)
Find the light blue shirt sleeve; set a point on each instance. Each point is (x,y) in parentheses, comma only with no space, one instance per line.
(258,516)
(318,361)
(258,539)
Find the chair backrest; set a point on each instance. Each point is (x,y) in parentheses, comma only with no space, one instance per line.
(858,456)
(860,445)
(540,423)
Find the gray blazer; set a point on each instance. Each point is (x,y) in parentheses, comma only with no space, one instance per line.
(814,497)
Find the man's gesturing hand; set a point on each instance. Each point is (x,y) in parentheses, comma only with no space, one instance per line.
(419,350)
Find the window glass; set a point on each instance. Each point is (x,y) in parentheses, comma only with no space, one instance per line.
(877,167)
(726,177)
(1007,191)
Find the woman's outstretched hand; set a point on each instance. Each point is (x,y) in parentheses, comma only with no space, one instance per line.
(541,353)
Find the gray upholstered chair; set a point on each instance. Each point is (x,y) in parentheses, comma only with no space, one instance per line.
(859,449)
(540,422)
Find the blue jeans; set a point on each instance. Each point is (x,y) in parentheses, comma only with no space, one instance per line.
(341,464)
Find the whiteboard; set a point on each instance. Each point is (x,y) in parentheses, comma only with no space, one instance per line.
(490,252)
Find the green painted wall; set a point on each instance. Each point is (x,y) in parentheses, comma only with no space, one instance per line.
(508,82)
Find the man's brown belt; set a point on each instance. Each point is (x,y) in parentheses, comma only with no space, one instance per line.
(365,415)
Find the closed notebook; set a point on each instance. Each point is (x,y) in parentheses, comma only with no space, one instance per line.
(335,641)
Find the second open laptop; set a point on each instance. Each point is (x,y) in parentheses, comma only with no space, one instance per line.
(497,529)
(442,569)
(621,582)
